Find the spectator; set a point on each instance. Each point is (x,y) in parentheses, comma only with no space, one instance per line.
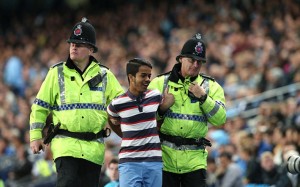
(228,173)
(44,171)
(13,74)
(211,172)
(44,167)
(271,173)
(252,174)
(21,172)
(288,179)
(113,173)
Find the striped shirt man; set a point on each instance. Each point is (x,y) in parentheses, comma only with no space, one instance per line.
(140,141)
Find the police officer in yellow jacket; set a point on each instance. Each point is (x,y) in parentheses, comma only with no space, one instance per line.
(77,93)
(198,101)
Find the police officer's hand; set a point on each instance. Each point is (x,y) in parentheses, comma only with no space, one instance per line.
(36,146)
(197,90)
(168,101)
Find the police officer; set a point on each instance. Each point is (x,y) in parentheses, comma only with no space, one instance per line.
(198,101)
(77,93)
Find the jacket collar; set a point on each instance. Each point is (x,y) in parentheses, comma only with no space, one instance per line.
(70,64)
(175,76)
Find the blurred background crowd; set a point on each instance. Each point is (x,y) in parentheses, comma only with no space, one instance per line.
(253,51)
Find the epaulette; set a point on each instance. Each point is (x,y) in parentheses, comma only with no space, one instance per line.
(101,65)
(207,77)
(57,64)
(163,74)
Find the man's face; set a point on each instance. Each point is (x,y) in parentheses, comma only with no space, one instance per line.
(267,163)
(113,171)
(80,52)
(140,82)
(190,67)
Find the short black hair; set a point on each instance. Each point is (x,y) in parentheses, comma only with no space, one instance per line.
(226,154)
(133,65)
(113,161)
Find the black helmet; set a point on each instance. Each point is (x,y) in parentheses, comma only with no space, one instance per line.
(194,48)
(84,32)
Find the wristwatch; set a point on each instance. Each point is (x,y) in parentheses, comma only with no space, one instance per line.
(202,99)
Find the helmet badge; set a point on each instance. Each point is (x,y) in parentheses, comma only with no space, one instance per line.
(199,48)
(78,30)
(84,19)
(198,36)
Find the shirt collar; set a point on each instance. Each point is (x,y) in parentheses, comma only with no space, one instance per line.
(133,97)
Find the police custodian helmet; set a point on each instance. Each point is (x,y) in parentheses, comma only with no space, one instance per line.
(193,48)
(84,32)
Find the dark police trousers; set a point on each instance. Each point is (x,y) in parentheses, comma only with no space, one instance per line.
(76,172)
(192,179)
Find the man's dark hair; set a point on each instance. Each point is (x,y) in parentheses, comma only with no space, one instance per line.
(226,154)
(133,66)
(113,161)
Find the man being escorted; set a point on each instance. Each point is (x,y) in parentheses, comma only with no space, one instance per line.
(133,117)
(77,93)
(199,100)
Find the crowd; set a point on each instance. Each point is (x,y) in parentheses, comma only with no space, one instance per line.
(253,46)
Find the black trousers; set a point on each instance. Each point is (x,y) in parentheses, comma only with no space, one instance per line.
(192,179)
(76,172)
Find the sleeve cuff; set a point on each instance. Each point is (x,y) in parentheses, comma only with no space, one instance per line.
(208,104)
(35,135)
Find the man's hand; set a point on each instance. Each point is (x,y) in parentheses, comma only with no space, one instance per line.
(114,124)
(168,101)
(36,146)
(197,90)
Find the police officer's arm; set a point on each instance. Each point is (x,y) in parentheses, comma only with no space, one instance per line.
(40,110)
(114,119)
(214,104)
(114,88)
(114,124)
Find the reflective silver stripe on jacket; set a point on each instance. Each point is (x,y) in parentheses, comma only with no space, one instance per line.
(61,83)
(213,111)
(205,85)
(99,140)
(165,82)
(182,147)
(104,83)
(37,126)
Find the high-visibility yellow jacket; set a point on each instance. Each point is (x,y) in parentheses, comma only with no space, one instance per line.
(188,119)
(44,168)
(78,106)
(1,183)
